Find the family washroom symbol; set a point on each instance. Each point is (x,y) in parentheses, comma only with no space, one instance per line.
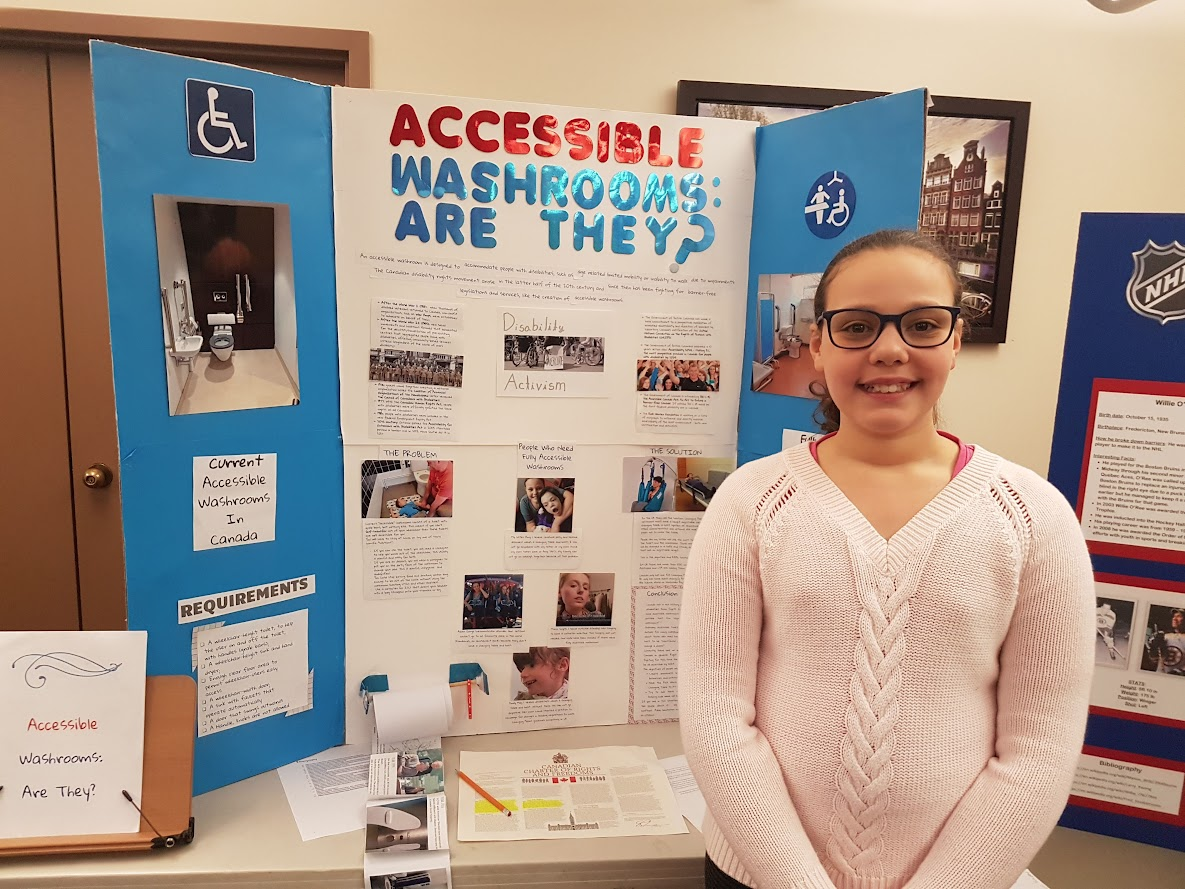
(220,119)
(1156,288)
(830,204)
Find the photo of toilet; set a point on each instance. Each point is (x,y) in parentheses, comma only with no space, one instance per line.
(228,304)
(781,356)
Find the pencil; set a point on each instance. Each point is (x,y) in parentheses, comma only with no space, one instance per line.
(489,798)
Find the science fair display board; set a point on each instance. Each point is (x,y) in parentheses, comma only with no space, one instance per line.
(541,313)
(218,230)
(536,319)
(1119,455)
(823,183)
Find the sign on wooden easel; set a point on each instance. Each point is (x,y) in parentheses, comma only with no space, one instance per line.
(71,732)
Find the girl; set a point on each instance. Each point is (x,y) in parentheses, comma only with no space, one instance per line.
(543,672)
(575,603)
(869,627)
(556,504)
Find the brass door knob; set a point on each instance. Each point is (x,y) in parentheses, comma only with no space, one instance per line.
(97,475)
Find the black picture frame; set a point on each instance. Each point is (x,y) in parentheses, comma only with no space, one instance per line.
(985,249)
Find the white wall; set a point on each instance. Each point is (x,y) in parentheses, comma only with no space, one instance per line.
(285,296)
(1104,132)
(170,250)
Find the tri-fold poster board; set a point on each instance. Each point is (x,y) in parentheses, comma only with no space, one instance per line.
(409,381)
(1119,456)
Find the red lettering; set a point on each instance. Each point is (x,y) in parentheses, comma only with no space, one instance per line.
(514,130)
(478,141)
(582,146)
(689,147)
(443,113)
(407,126)
(549,139)
(603,141)
(627,143)
(657,158)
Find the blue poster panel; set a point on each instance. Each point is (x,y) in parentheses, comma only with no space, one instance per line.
(218,231)
(822,181)
(1119,456)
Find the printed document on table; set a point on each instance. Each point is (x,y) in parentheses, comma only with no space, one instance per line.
(327,792)
(691,801)
(568,794)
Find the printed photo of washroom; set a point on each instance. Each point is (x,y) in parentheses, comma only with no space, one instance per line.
(228,304)
(699,479)
(781,357)
(403,489)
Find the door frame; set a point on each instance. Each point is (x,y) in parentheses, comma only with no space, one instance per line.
(92,435)
(230,41)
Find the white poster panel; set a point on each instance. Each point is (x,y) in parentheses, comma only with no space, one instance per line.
(478,607)
(502,270)
(571,217)
(71,732)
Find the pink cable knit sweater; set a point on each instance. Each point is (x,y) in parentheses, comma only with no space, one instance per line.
(872,714)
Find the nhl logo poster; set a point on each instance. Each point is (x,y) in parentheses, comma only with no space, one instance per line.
(1119,456)
(1156,288)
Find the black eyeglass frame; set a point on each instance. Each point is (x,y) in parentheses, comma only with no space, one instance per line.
(885,320)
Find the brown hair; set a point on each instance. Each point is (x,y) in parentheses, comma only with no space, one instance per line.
(827,413)
(540,654)
(564,579)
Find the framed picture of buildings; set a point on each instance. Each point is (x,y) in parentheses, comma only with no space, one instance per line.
(975,155)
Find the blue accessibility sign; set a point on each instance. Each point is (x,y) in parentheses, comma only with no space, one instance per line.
(830,204)
(221,120)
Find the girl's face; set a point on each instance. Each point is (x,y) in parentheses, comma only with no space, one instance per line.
(887,389)
(574,593)
(552,503)
(544,679)
(533,487)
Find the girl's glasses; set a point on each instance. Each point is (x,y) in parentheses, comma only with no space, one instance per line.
(922,328)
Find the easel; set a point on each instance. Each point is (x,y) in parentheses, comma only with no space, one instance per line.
(170,712)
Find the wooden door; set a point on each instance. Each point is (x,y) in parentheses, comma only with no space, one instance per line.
(61,540)
(37,556)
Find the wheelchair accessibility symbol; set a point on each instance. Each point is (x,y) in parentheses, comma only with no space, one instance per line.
(221,120)
(830,204)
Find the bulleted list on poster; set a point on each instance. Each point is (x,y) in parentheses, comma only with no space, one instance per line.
(567,794)
(1134,494)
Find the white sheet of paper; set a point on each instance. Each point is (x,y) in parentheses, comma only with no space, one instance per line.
(1028,881)
(71,732)
(791,437)
(327,792)
(432,866)
(687,794)
(234,500)
(252,670)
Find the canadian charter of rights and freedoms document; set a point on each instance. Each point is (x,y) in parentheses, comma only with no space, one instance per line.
(554,794)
